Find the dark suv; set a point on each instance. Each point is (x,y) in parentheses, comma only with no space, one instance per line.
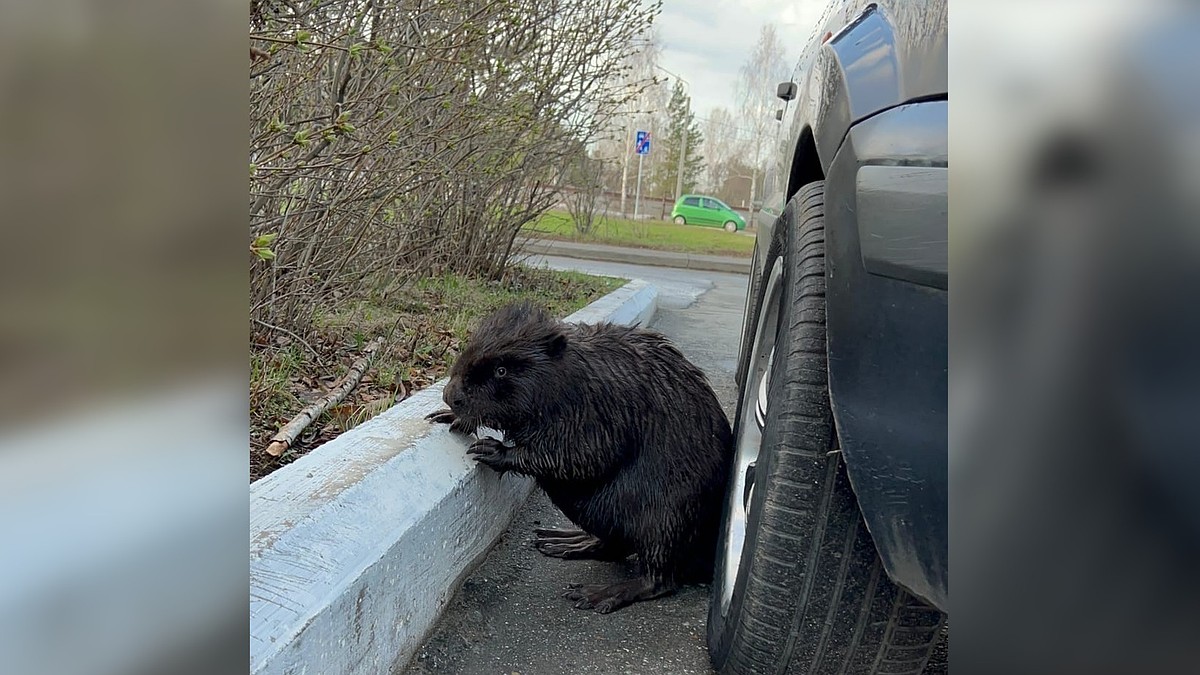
(834,544)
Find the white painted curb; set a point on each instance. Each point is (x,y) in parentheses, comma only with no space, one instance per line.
(356,547)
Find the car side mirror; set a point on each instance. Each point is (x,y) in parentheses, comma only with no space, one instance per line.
(786,90)
(779,115)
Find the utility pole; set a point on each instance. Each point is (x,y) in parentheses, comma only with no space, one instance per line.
(682,154)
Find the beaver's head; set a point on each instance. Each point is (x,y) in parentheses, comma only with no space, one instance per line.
(509,369)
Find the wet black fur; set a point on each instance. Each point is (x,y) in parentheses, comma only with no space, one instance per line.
(622,432)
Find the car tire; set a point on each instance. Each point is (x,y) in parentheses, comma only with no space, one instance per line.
(810,594)
(680,220)
(731,226)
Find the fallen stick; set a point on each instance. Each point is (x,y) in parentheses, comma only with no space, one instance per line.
(292,430)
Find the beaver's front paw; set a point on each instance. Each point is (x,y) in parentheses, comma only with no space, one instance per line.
(490,452)
(447,416)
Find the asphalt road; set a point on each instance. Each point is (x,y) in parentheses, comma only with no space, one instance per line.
(508,617)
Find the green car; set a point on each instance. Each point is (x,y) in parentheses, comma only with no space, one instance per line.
(703,210)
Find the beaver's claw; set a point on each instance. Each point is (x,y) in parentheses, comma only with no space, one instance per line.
(457,424)
(490,452)
(443,416)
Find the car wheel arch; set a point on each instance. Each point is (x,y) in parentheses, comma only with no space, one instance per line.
(806,163)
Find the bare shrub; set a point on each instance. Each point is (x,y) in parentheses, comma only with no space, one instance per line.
(586,178)
(392,138)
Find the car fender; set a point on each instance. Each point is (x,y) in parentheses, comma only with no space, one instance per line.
(889,53)
(886,316)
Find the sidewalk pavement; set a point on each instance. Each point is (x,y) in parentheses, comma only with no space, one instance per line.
(636,256)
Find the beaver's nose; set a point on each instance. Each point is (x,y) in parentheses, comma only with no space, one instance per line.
(453,395)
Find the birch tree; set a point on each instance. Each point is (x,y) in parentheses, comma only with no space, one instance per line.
(720,144)
(765,68)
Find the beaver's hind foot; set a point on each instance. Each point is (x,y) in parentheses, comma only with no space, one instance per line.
(605,599)
(576,545)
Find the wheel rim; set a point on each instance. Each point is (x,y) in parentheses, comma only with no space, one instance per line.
(679,220)
(749,433)
(730,227)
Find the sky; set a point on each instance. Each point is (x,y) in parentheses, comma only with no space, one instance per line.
(707,41)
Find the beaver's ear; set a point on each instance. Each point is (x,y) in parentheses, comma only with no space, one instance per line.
(555,343)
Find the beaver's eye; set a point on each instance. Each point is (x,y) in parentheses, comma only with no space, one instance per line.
(501,371)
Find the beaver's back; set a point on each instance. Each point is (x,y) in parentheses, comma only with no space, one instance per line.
(635,405)
(634,383)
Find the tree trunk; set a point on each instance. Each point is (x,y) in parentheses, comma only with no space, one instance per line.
(624,179)
(753,183)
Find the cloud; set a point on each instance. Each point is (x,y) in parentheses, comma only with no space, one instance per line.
(706,42)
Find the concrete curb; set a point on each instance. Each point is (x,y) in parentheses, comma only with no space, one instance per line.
(356,547)
(637,256)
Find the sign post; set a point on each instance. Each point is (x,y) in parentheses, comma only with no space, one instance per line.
(642,146)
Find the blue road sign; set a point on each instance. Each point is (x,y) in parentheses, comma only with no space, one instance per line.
(643,143)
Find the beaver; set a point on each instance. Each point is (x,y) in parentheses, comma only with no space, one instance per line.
(622,432)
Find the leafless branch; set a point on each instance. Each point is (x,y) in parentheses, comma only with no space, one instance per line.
(291,431)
